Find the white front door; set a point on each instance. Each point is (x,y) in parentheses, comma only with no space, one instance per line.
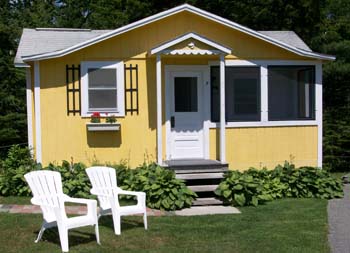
(185,94)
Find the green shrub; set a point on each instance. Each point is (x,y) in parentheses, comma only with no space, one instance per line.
(74,179)
(12,170)
(308,182)
(163,190)
(253,187)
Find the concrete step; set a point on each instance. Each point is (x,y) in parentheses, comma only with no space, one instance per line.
(203,188)
(191,176)
(207,202)
(200,170)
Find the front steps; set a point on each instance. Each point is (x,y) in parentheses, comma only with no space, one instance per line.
(201,176)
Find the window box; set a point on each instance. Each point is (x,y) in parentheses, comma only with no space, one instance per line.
(95,127)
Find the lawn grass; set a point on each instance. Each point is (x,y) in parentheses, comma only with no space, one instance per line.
(288,225)
(14,200)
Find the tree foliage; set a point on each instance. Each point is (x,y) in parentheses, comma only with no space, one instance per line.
(323,24)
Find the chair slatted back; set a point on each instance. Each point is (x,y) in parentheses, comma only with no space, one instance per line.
(46,187)
(103,180)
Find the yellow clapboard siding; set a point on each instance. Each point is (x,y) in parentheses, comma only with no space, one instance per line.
(267,146)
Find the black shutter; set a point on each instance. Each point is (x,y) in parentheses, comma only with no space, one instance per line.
(73,89)
(131,89)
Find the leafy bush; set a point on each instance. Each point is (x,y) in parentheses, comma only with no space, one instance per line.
(163,190)
(74,179)
(253,187)
(12,170)
(308,182)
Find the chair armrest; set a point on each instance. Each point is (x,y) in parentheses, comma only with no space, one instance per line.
(78,200)
(124,192)
(90,203)
(141,196)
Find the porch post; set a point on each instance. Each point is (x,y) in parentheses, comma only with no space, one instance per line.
(222,110)
(159,110)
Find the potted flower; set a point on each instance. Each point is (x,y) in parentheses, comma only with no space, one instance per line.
(95,117)
(110,119)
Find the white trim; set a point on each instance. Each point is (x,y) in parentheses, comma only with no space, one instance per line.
(37,109)
(187,36)
(22,65)
(191,52)
(319,111)
(119,66)
(222,111)
(159,110)
(264,62)
(204,69)
(264,95)
(164,14)
(29,109)
(265,124)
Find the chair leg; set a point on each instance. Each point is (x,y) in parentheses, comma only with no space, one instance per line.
(145,220)
(117,225)
(97,233)
(63,232)
(40,234)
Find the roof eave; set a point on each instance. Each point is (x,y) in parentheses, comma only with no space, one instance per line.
(175,10)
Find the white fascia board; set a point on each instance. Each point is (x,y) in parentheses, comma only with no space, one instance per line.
(22,65)
(175,10)
(187,36)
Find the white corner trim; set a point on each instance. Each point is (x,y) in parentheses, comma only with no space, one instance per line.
(37,109)
(119,66)
(29,109)
(159,110)
(319,113)
(175,10)
(264,95)
(222,111)
(187,36)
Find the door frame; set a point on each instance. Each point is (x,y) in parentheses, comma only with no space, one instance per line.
(205,70)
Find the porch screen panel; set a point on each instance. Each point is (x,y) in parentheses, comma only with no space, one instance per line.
(102,89)
(242,94)
(291,91)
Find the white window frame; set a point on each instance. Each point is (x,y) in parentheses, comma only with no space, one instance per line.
(119,67)
(264,122)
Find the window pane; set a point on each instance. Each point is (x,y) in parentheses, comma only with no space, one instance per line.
(103,99)
(242,88)
(242,93)
(186,99)
(291,93)
(102,78)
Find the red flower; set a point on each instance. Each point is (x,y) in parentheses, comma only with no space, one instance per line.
(96,115)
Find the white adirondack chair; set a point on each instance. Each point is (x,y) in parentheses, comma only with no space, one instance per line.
(104,185)
(47,192)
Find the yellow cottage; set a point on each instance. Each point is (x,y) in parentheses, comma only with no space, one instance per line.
(184,85)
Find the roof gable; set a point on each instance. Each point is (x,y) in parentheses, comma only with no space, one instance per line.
(265,36)
(188,36)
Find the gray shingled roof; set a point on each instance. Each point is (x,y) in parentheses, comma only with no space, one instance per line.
(45,40)
(288,37)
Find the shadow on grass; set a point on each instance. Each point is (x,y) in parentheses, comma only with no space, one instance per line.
(127,224)
(75,237)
